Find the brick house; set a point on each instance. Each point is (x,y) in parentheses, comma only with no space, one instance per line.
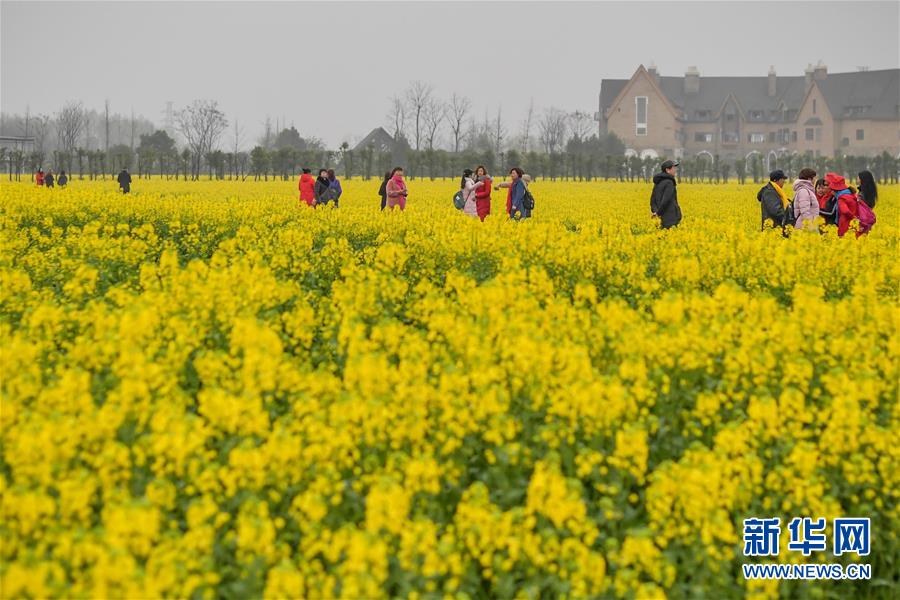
(849,113)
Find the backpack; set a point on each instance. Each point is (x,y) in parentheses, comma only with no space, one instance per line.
(459,200)
(865,215)
(528,199)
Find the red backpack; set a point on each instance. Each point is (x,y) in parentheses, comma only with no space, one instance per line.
(865,215)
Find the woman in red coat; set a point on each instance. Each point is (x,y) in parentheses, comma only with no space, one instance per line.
(307,188)
(39,177)
(847,208)
(482,193)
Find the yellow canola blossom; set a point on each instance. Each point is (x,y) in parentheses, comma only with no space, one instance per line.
(208,390)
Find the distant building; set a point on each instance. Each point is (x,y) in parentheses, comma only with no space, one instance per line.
(384,143)
(841,113)
(14,142)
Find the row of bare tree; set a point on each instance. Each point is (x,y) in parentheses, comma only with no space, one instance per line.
(421,118)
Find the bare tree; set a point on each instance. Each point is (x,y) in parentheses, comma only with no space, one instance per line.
(498,132)
(106,125)
(552,128)
(418,96)
(201,124)
(457,110)
(132,129)
(434,114)
(266,141)
(40,130)
(581,124)
(526,126)
(237,142)
(70,121)
(397,117)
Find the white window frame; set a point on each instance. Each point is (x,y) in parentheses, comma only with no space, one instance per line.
(638,126)
(757,138)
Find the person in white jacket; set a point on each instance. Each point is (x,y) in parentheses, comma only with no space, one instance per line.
(806,206)
(468,189)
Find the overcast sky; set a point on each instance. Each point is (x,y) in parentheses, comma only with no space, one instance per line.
(330,67)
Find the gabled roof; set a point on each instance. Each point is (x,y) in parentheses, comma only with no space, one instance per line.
(653,83)
(380,139)
(879,90)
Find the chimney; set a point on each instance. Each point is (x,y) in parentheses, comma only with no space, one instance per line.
(820,71)
(773,88)
(692,82)
(653,72)
(808,75)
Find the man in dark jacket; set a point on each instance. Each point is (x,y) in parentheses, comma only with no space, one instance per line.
(124,180)
(772,200)
(664,199)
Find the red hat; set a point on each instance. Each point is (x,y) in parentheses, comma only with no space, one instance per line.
(835,181)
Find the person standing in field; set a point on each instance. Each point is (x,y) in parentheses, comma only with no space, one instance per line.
(467,185)
(847,208)
(39,177)
(664,197)
(124,180)
(515,196)
(322,188)
(335,184)
(868,191)
(63,179)
(827,203)
(483,192)
(773,200)
(48,179)
(806,205)
(306,186)
(396,190)
(382,191)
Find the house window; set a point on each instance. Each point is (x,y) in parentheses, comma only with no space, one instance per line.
(756,138)
(729,117)
(640,115)
(756,114)
(860,134)
(794,136)
(703,137)
(809,134)
(703,114)
(814,106)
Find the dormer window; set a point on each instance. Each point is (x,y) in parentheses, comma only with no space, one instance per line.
(756,115)
(703,114)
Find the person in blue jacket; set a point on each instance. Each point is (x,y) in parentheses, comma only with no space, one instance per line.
(335,184)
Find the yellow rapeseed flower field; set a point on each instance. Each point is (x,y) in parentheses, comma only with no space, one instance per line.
(211,392)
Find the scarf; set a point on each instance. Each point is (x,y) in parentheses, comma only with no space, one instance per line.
(398,181)
(784,199)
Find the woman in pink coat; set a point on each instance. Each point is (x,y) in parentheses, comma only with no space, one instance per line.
(806,206)
(396,190)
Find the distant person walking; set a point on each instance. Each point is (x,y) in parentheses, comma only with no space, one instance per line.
(382,191)
(335,184)
(124,180)
(322,188)
(48,179)
(39,177)
(483,192)
(63,179)
(806,205)
(397,192)
(306,185)
(868,190)
(664,197)
(773,200)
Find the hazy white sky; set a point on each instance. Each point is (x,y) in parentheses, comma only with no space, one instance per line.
(330,67)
